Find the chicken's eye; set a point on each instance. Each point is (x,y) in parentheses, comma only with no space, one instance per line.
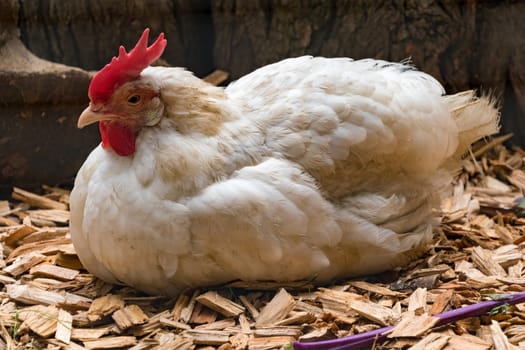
(134,99)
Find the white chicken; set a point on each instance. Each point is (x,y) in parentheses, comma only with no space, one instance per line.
(309,168)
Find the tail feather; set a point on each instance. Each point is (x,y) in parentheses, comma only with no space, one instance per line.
(476,117)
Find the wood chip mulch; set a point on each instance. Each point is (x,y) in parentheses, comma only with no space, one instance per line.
(49,302)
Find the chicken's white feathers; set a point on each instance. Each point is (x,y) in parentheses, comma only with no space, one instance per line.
(309,168)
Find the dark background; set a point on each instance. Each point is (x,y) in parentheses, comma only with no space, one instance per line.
(465,44)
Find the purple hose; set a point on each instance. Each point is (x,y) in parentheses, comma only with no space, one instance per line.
(366,339)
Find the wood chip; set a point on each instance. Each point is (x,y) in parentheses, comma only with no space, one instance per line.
(249,306)
(466,342)
(129,316)
(87,334)
(153,325)
(301,317)
(245,324)
(240,341)
(476,277)
(277,309)
(70,261)
(40,319)
(64,326)
(8,222)
(216,302)
(516,333)
(302,306)
(265,343)
(337,302)
(6,280)
(174,342)
(202,314)
(17,233)
(412,325)
(433,341)
(217,77)
(482,258)
(507,255)
(207,337)
(318,334)
(53,271)
(75,301)
(374,288)
(294,332)
(441,302)
(501,342)
(187,311)
(218,325)
(50,215)
(47,247)
(43,234)
(181,303)
(36,200)
(436,270)
(417,301)
(104,306)
(517,178)
(110,342)
(31,295)
(374,312)
(24,263)
(174,324)
(70,346)
(496,185)
(5,208)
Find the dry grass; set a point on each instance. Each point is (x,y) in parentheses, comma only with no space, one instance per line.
(49,301)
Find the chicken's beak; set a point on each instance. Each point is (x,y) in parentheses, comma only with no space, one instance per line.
(89,117)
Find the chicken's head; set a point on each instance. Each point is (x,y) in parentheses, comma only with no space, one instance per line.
(121,101)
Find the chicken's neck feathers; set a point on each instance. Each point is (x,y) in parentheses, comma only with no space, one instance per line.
(192,105)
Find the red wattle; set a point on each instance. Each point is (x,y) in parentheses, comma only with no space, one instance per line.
(117,136)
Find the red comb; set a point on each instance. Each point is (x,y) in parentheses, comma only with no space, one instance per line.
(125,67)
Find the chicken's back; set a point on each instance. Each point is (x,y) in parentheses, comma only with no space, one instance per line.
(381,139)
(349,123)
